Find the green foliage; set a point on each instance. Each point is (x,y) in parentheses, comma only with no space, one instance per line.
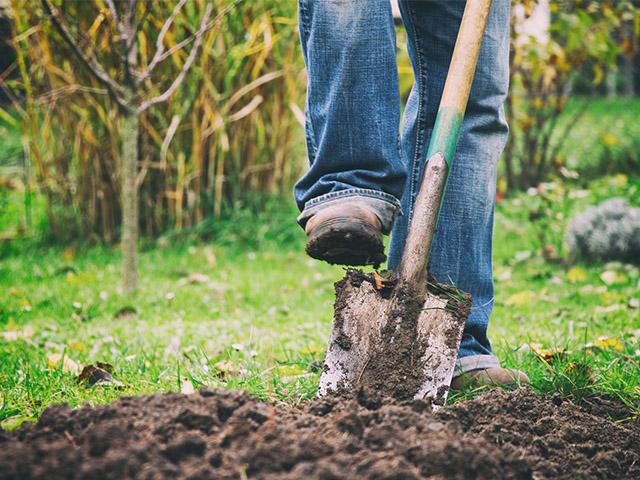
(581,34)
(230,130)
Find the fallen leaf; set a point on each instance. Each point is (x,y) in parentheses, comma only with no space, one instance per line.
(186,387)
(105,366)
(521,298)
(66,270)
(14,335)
(312,350)
(76,345)
(550,253)
(193,278)
(611,277)
(290,370)
(377,280)
(94,376)
(522,256)
(504,276)
(14,421)
(549,355)
(226,369)
(609,308)
(609,343)
(576,274)
(68,365)
(580,372)
(126,311)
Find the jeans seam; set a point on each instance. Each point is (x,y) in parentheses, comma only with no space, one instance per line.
(305,27)
(419,114)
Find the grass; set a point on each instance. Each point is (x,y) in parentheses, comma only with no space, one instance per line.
(606,137)
(261,319)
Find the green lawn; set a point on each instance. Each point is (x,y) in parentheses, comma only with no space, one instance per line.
(260,320)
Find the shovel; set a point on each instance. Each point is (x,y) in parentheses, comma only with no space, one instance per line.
(399,335)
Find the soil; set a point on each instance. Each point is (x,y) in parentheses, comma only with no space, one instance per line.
(230,435)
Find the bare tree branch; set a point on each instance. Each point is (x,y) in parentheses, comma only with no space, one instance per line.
(131,24)
(160,41)
(89,60)
(180,45)
(116,17)
(185,68)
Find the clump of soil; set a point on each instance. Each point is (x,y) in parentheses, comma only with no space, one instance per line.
(229,435)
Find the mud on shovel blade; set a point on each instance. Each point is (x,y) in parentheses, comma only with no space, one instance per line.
(400,337)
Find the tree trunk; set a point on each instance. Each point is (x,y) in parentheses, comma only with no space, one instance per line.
(129,154)
(627,72)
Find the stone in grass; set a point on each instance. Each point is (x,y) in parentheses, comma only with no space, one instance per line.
(609,231)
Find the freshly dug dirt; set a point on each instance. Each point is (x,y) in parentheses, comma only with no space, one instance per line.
(229,435)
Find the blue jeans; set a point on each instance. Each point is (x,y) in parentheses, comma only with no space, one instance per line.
(356,151)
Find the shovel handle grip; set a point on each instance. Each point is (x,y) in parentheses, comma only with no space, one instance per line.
(442,148)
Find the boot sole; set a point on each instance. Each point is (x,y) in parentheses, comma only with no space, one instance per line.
(346,241)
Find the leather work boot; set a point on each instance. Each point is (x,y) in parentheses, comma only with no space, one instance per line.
(345,234)
(490,377)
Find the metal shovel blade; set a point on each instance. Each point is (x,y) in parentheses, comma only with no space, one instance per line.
(387,341)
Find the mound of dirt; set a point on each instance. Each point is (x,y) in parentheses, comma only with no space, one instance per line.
(230,435)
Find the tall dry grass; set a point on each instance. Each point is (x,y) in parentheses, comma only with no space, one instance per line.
(232,129)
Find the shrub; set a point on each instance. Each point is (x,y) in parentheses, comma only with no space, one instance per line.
(609,231)
(583,37)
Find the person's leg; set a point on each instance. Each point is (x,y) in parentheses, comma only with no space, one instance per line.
(352,111)
(461,252)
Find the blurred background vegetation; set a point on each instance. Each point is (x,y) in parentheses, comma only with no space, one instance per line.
(232,134)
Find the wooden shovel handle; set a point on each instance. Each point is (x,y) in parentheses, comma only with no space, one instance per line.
(413,265)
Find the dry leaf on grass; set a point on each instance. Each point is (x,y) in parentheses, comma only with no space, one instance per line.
(548,355)
(609,343)
(576,274)
(99,375)
(520,298)
(24,333)
(609,308)
(14,421)
(193,278)
(68,364)
(225,369)
(580,372)
(124,312)
(611,277)
(186,387)
(378,280)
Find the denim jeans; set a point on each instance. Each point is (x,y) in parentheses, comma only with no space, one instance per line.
(359,150)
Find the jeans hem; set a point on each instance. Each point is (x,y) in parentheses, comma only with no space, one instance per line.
(475,362)
(354,192)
